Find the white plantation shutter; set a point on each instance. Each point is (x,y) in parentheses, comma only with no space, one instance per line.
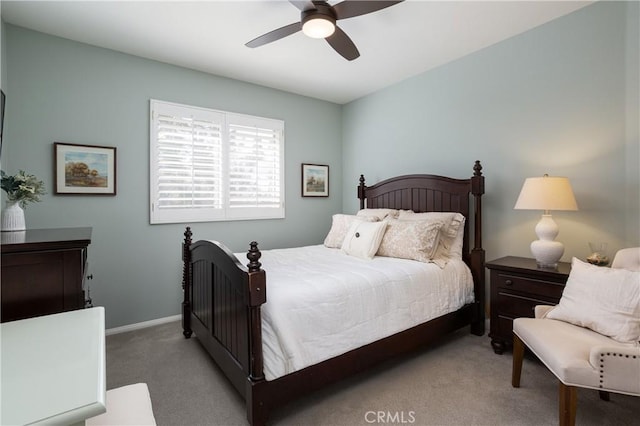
(189,162)
(209,165)
(254,165)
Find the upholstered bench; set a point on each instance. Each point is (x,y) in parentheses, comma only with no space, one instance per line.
(127,405)
(578,356)
(591,339)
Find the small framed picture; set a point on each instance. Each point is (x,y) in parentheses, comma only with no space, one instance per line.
(315,180)
(84,169)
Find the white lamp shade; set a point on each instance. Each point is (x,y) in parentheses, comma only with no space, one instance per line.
(546,193)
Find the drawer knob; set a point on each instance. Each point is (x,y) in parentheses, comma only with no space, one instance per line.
(508,282)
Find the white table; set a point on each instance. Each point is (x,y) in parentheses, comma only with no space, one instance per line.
(53,368)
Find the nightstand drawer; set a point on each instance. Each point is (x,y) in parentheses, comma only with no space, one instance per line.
(516,305)
(504,324)
(513,283)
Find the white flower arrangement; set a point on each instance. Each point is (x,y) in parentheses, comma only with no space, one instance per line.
(22,188)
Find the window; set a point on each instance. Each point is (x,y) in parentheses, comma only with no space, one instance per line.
(208,165)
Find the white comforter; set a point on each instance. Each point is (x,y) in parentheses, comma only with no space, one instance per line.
(322,303)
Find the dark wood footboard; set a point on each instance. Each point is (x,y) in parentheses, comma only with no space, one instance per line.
(221,305)
(222,297)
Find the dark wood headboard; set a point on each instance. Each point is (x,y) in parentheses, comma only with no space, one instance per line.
(431,193)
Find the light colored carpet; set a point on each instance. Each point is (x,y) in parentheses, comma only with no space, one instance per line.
(460,381)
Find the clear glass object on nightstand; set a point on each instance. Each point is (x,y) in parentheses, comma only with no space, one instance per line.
(599,254)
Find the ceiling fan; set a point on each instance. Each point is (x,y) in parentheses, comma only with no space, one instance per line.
(318,20)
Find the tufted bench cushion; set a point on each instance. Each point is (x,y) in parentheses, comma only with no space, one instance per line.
(127,405)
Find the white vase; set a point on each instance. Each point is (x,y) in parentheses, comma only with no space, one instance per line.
(13,217)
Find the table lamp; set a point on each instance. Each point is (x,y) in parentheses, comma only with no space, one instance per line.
(546,193)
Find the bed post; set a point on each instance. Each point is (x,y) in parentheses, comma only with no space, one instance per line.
(257,411)
(186,283)
(257,296)
(477,254)
(362,192)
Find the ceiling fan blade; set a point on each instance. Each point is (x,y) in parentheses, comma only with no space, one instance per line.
(275,35)
(351,8)
(302,4)
(342,44)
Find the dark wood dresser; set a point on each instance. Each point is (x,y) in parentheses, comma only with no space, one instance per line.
(43,271)
(517,286)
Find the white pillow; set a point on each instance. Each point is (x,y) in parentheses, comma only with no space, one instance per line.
(340,224)
(363,239)
(606,300)
(379,214)
(452,235)
(416,240)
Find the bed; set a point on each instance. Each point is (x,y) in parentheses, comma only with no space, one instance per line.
(223,299)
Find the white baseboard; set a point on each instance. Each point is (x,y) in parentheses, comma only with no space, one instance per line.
(141,325)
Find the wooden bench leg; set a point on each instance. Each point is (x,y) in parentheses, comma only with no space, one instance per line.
(605,396)
(518,354)
(567,404)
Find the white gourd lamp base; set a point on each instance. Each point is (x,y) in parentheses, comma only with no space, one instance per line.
(545,250)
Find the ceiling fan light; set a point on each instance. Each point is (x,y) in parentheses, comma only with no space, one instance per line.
(318,27)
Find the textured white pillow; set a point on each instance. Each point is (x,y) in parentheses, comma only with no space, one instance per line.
(451,237)
(340,224)
(379,214)
(363,239)
(416,240)
(605,300)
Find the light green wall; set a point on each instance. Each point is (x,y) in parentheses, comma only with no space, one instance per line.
(632,91)
(2,54)
(559,99)
(71,92)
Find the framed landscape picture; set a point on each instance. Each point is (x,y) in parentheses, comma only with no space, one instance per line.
(315,180)
(84,169)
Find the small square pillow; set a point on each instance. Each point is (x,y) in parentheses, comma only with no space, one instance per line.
(379,214)
(605,300)
(340,224)
(363,239)
(416,240)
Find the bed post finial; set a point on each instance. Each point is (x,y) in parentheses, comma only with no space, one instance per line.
(477,168)
(362,192)
(187,236)
(186,280)
(254,255)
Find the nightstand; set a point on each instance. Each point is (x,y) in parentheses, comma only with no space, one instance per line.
(517,286)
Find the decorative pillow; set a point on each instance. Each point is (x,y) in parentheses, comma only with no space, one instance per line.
(363,239)
(606,300)
(379,214)
(452,235)
(340,224)
(416,240)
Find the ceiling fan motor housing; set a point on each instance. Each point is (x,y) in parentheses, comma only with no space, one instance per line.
(321,11)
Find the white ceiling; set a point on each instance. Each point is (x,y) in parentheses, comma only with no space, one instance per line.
(395,43)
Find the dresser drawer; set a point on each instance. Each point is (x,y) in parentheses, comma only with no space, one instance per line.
(504,281)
